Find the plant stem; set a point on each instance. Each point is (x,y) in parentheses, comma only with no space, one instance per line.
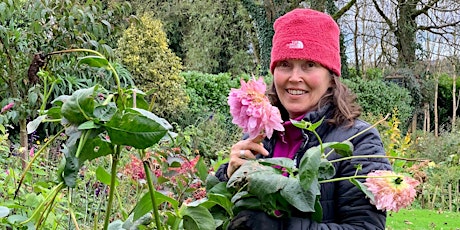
(37,154)
(152,194)
(375,156)
(113,176)
(365,130)
(355,177)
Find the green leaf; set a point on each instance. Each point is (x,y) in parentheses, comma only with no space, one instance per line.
(105,177)
(33,125)
(284,162)
(94,61)
(294,195)
(202,169)
(88,125)
(33,97)
(345,148)
(94,148)
(4,211)
(79,107)
(144,205)
(71,169)
(134,129)
(363,188)
(308,168)
(198,218)
(326,170)
(307,125)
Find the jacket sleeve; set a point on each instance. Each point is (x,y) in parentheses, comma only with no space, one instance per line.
(351,209)
(221,172)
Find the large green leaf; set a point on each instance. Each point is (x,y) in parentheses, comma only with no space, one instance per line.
(197,218)
(295,195)
(71,169)
(134,129)
(79,107)
(283,162)
(94,61)
(255,176)
(94,148)
(308,168)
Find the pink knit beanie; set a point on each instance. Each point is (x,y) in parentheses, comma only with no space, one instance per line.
(307,34)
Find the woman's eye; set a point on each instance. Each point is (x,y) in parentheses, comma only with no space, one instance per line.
(283,64)
(310,64)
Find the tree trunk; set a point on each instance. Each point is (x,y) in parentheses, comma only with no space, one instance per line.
(435,107)
(454,100)
(405,33)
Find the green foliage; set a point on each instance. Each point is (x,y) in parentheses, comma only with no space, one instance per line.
(209,92)
(209,36)
(378,97)
(155,68)
(438,149)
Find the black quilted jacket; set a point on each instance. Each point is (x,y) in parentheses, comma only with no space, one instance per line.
(344,205)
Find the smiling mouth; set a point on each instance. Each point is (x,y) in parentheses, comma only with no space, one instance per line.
(296,91)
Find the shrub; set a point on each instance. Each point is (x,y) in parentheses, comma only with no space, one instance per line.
(143,48)
(378,97)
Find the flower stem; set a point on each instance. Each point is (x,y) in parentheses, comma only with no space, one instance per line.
(355,177)
(365,130)
(375,156)
(113,176)
(152,194)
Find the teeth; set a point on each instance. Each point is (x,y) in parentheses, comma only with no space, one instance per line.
(296,91)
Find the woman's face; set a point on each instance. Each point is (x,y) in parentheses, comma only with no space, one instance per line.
(300,84)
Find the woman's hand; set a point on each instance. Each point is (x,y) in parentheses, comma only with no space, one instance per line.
(245,149)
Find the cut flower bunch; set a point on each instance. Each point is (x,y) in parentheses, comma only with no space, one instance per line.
(279,187)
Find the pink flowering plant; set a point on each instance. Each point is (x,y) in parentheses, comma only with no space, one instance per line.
(276,185)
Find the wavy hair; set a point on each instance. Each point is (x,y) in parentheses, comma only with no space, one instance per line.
(345,108)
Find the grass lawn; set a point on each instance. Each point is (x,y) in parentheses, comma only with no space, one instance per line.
(421,219)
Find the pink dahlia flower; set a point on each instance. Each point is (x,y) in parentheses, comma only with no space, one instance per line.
(251,110)
(391,191)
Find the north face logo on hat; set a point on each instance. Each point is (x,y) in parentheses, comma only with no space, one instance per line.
(296,45)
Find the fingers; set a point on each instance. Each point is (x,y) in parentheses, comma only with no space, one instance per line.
(243,150)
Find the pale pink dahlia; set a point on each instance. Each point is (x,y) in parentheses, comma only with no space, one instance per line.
(391,191)
(251,110)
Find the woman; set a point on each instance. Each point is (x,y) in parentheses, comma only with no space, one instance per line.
(305,63)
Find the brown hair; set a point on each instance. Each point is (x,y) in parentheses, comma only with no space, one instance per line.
(345,110)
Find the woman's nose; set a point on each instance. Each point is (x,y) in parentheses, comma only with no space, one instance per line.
(297,74)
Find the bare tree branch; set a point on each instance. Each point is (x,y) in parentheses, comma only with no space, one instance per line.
(382,14)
